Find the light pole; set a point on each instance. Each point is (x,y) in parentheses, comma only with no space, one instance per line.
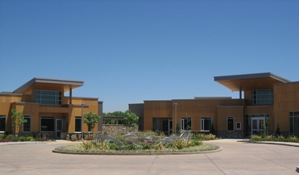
(175,117)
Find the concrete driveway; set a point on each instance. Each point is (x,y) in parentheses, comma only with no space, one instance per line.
(236,158)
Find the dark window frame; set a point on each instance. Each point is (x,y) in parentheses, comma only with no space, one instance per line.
(3,118)
(186,123)
(262,97)
(238,126)
(77,124)
(48,97)
(45,127)
(294,118)
(25,125)
(230,123)
(203,122)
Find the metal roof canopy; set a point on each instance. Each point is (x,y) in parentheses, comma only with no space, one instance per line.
(250,81)
(66,84)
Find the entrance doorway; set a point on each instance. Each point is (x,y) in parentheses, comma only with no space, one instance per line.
(258,125)
(163,125)
(59,127)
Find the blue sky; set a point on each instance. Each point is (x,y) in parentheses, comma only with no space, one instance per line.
(135,50)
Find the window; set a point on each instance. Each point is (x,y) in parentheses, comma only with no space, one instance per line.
(230,123)
(186,123)
(205,124)
(2,123)
(47,123)
(78,124)
(27,125)
(262,97)
(162,125)
(294,123)
(47,97)
(238,126)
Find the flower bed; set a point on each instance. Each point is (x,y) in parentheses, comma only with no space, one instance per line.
(139,143)
(78,149)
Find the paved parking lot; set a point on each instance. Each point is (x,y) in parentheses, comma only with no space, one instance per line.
(236,158)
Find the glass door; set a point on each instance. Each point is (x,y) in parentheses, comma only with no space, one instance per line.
(58,128)
(257,125)
(169,126)
(182,124)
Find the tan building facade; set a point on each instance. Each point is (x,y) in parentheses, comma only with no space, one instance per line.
(46,109)
(268,104)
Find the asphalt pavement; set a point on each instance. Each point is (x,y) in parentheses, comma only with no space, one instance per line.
(236,158)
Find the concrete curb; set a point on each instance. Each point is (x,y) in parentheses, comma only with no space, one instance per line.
(275,143)
(127,153)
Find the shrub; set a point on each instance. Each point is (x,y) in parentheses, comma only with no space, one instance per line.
(2,136)
(204,137)
(280,138)
(74,138)
(87,145)
(210,137)
(29,138)
(145,146)
(181,143)
(128,147)
(269,137)
(158,146)
(196,143)
(113,146)
(102,145)
(292,139)
(21,138)
(10,137)
(170,145)
(256,138)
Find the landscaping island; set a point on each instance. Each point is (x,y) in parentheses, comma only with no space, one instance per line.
(141,143)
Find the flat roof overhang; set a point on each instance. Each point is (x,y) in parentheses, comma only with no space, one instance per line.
(250,81)
(65,84)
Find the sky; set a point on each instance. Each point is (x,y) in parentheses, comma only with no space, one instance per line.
(135,50)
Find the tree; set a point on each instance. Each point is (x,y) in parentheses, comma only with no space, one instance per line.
(17,119)
(130,118)
(91,119)
(277,132)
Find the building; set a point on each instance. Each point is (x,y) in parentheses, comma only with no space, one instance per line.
(267,104)
(139,111)
(46,108)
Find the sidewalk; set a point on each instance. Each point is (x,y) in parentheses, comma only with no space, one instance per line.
(37,142)
(294,144)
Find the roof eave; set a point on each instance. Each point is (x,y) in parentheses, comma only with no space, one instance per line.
(48,81)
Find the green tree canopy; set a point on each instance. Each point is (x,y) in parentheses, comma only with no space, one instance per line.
(16,119)
(91,119)
(130,118)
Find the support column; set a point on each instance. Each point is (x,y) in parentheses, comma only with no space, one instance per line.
(71,95)
(240,93)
